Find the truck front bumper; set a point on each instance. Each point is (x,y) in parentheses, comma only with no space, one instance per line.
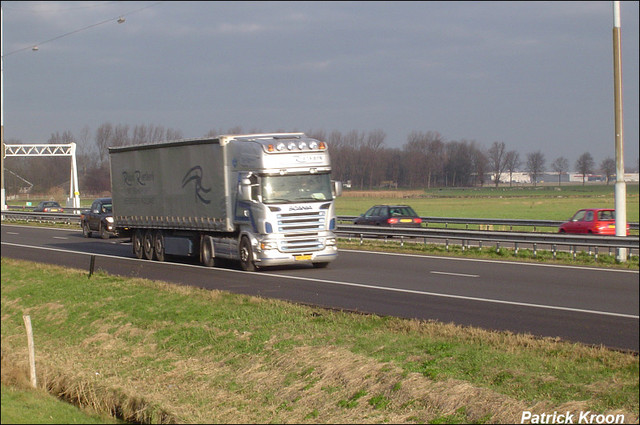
(275,257)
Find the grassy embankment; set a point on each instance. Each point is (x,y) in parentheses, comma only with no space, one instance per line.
(154,352)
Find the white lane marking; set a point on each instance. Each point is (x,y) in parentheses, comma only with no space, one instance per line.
(60,237)
(13,233)
(482,260)
(357,285)
(455,274)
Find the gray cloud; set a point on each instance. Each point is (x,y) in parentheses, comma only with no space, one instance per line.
(536,75)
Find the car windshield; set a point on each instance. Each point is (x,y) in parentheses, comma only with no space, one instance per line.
(296,188)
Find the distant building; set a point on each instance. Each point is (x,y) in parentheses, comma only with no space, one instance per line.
(552,177)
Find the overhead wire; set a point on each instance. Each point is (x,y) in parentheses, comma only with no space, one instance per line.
(118,19)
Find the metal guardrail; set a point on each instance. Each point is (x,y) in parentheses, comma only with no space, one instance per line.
(465,237)
(486,222)
(41,217)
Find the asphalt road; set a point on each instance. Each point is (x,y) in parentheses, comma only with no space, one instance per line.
(588,305)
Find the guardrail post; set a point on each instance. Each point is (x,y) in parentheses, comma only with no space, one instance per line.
(535,250)
(596,255)
(553,250)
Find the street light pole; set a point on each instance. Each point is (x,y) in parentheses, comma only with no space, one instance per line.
(3,203)
(620,186)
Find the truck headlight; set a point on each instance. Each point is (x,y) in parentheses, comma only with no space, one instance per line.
(330,242)
(109,220)
(268,245)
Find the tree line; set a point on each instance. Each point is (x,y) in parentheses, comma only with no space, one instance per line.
(426,160)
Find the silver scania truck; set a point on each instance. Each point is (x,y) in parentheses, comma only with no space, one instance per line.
(261,199)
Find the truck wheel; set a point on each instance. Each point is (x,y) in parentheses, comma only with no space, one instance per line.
(246,255)
(208,259)
(158,245)
(103,232)
(147,244)
(85,230)
(136,242)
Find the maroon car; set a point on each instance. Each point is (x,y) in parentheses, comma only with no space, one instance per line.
(599,221)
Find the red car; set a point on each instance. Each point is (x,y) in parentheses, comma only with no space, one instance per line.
(599,221)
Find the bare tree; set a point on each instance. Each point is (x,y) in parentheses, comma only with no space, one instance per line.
(427,157)
(120,136)
(584,165)
(497,157)
(512,162)
(535,165)
(608,167)
(560,166)
(104,134)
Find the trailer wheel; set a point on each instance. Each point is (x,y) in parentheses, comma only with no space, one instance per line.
(246,255)
(136,242)
(147,244)
(206,252)
(158,245)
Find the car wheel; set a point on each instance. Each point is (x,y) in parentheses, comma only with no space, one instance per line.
(85,230)
(147,244)
(158,245)
(136,242)
(246,255)
(103,232)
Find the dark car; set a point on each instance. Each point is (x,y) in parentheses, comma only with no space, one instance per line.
(48,206)
(98,219)
(599,221)
(391,216)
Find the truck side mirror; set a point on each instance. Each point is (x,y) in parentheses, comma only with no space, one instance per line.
(337,188)
(244,190)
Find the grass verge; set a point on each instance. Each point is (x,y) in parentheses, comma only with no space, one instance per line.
(24,406)
(153,352)
(604,259)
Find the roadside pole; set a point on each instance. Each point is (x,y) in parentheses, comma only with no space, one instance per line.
(620,186)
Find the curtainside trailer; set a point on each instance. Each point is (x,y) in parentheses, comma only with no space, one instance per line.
(260,199)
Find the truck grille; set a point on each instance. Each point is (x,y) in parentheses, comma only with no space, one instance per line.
(301,231)
(304,222)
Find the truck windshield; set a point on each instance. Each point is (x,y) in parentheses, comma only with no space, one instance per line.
(296,188)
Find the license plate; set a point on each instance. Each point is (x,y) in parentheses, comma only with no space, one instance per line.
(406,220)
(612,226)
(302,257)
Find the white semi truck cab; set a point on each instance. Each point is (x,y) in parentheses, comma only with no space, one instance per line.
(261,199)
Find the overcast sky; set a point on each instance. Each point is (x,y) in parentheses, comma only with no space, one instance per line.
(536,76)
